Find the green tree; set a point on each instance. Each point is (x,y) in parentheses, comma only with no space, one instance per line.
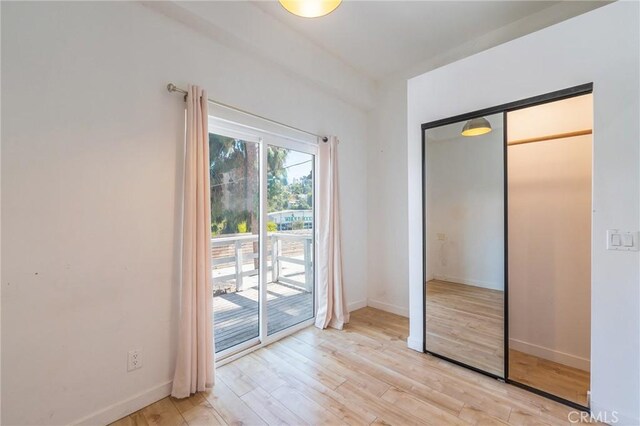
(233,171)
(277,193)
(301,193)
(235,200)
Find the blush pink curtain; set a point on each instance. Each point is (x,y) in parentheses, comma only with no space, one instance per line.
(332,306)
(195,362)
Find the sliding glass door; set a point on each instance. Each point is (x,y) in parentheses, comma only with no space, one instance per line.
(290,288)
(235,239)
(262,231)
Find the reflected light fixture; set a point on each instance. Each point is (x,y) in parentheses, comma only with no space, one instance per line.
(476,127)
(310,8)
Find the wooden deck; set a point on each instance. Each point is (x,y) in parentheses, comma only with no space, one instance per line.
(236,314)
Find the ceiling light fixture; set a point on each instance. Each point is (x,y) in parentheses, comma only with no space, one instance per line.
(476,127)
(310,8)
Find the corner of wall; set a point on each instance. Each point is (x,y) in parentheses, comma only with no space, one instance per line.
(358,304)
(388,307)
(415,344)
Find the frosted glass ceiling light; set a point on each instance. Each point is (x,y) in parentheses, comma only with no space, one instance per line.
(476,127)
(310,8)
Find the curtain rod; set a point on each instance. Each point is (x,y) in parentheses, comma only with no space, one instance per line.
(173,88)
(551,137)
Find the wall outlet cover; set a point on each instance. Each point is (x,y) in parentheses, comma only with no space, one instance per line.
(134,359)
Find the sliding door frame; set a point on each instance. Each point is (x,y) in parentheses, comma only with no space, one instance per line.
(558,95)
(264,139)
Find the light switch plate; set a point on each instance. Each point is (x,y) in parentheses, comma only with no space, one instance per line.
(622,240)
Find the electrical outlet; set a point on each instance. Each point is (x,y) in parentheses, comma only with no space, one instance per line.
(134,360)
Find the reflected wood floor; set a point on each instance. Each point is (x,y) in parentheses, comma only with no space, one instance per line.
(466,323)
(558,379)
(362,375)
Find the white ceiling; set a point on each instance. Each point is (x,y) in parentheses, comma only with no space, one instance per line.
(381,38)
(362,45)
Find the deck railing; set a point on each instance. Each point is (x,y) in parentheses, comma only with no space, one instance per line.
(238,258)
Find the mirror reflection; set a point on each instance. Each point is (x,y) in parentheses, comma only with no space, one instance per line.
(464,225)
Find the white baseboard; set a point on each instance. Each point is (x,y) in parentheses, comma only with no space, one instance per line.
(475,283)
(359,304)
(388,307)
(550,354)
(124,408)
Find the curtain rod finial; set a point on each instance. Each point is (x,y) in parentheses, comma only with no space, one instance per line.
(171,87)
(325,139)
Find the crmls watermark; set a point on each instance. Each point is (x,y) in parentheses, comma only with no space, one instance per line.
(609,417)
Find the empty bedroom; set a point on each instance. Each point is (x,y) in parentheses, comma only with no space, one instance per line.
(312,212)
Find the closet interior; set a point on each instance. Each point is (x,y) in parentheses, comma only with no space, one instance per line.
(549,173)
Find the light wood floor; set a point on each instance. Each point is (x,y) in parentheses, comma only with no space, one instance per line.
(557,379)
(362,375)
(466,323)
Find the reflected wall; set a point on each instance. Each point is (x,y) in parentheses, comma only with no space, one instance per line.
(464,242)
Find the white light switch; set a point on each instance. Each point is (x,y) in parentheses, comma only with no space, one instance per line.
(622,240)
(615,240)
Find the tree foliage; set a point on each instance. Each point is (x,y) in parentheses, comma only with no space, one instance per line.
(235,184)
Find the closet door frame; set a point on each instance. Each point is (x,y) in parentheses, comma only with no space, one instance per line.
(558,95)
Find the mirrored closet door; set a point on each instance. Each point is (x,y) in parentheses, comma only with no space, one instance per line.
(463,180)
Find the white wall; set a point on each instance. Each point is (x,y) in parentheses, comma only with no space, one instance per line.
(387,201)
(91,166)
(602,47)
(465,205)
(387,158)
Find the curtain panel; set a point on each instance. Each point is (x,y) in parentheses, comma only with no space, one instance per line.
(195,361)
(332,305)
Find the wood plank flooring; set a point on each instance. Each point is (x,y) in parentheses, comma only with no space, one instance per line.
(236,314)
(558,379)
(466,323)
(362,375)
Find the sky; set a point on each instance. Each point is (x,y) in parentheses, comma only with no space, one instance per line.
(296,172)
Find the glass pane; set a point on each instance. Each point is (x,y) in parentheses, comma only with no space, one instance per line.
(235,241)
(290,280)
(465,242)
